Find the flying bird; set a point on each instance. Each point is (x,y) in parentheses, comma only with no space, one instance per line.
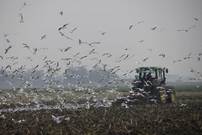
(7,49)
(63,26)
(83,57)
(103,33)
(92,51)
(196,19)
(26,46)
(141,41)
(66,49)
(61,13)
(162,55)
(74,29)
(130,27)
(35,50)
(145,59)
(93,43)
(63,35)
(182,30)
(154,28)
(21,18)
(43,36)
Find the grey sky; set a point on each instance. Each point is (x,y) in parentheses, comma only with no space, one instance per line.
(92,17)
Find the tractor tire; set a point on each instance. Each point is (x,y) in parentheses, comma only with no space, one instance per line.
(171,97)
(162,97)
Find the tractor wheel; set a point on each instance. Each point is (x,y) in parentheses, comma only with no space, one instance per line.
(171,97)
(163,96)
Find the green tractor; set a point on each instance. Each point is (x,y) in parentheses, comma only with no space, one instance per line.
(149,86)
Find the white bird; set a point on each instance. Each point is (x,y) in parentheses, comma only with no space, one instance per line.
(57,119)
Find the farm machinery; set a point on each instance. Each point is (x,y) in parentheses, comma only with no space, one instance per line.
(149,86)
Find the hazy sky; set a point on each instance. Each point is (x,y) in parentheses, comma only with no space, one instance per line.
(93,17)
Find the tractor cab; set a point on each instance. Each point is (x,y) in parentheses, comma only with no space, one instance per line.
(154,75)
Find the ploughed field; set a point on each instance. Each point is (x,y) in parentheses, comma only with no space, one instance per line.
(90,112)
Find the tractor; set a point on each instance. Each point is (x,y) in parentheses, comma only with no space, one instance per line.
(149,86)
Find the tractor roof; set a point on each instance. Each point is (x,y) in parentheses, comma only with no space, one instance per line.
(150,68)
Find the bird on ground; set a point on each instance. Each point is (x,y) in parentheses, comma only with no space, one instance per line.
(7,49)
(57,119)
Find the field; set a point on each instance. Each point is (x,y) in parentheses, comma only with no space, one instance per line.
(67,112)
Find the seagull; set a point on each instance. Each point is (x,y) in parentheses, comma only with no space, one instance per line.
(24,4)
(103,33)
(43,36)
(8,66)
(154,28)
(1,57)
(26,46)
(35,50)
(21,18)
(7,49)
(145,59)
(93,43)
(141,41)
(107,54)
(74,29)
(196,19)
(130,27)
(67,49)
(61,13)
(8,41)
(63,27)
(92,51)
(162,55)
(57,119)
(76,54)
(63,35)
(83,57)
(182,30)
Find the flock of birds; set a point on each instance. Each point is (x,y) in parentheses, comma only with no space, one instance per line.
(52,68)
